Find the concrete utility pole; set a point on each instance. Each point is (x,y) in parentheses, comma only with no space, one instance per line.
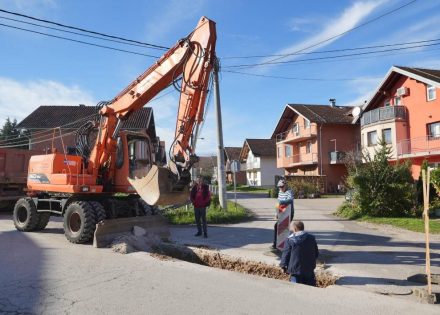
(221,176)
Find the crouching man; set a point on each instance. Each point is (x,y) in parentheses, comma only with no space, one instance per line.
(299,255)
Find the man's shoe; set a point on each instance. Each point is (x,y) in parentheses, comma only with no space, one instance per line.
(198,234)
(205,235)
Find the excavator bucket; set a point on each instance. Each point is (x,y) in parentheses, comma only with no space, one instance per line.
(108,230)
(156,188)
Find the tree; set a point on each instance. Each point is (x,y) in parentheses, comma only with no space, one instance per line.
(11,136)
(381,188)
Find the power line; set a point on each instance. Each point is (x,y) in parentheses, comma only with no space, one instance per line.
(77,33)
(292,78)
(335,50)
(83,30)
(347,31)
(78,41)
(328,57)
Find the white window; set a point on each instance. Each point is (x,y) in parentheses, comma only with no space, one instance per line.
(397,101)
(434,130)
(288,150)
(306,124)
(279,150)
(386,135)
(387,103)
(309,147)
(431,92)
(295,128)
(372,138)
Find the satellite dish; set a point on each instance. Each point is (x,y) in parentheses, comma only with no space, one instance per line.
(356,111)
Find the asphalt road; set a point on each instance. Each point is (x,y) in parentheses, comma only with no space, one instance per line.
(41,273)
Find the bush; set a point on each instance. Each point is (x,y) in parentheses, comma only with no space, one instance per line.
(302,188)
(273,193)
(381,189)
(215,202)
(348,211)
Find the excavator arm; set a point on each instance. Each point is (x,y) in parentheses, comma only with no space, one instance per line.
(192,59)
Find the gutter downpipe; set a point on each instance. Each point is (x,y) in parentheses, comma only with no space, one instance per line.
(320,148)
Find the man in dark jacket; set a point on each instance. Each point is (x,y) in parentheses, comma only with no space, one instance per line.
(299,255)
(200,198)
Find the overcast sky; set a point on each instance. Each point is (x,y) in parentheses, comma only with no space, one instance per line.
(36,70)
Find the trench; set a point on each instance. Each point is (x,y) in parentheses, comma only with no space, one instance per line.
(205,256)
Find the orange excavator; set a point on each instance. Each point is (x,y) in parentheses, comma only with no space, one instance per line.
(121,176)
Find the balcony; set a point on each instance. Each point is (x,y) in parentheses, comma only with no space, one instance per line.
(420,146)
(383,113)
(294,135)
(298,160)
(337,157)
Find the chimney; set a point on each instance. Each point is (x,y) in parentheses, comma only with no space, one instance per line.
(332,102)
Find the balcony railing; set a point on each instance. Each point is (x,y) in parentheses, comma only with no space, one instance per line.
(297,134)
(299,159)
(337,157)
(419,146)
(383,113)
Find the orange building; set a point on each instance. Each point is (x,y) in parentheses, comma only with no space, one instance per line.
(405,112)
(312,141)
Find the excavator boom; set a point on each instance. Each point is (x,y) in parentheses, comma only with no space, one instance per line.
(192,59)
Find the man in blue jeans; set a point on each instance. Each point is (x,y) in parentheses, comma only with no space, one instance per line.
(200,198)
(299,255)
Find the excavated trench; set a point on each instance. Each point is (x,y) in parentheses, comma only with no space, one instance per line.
(212,258)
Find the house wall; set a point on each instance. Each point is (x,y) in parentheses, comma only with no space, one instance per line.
(412,133)
(37,137)
(347,140)
(268,171)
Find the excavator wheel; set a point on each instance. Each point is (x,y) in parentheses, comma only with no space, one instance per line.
(79,222)
(147,209)
(25,215)
(43,220)
(99,211)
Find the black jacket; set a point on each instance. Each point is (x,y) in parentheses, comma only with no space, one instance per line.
(299,254)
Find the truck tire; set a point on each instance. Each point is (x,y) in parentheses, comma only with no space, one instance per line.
(43,220)
(25,215)
(79,222)
(99,211)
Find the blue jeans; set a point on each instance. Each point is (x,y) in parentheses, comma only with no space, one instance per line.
(310,280)
(200,214)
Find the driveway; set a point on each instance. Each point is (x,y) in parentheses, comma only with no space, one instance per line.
(366,256)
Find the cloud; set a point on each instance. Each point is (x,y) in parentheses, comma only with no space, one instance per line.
(301,24)
(170,18)
(348,19)
(364,87)
(30,5)
(19,99)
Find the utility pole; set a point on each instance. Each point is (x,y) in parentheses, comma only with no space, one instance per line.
(221,176)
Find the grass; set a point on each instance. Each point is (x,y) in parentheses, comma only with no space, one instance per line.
(248,189)
(414,224)
(332,196)
(214,215)
(411,224)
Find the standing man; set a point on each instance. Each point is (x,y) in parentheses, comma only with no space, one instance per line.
(200,198)
(299,255)
(285,198)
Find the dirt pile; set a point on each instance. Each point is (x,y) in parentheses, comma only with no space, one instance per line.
(217,260)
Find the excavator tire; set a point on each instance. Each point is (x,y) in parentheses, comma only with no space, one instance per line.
(43,220)
(99,211)
(25,215)
(79,222)
(147,209)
